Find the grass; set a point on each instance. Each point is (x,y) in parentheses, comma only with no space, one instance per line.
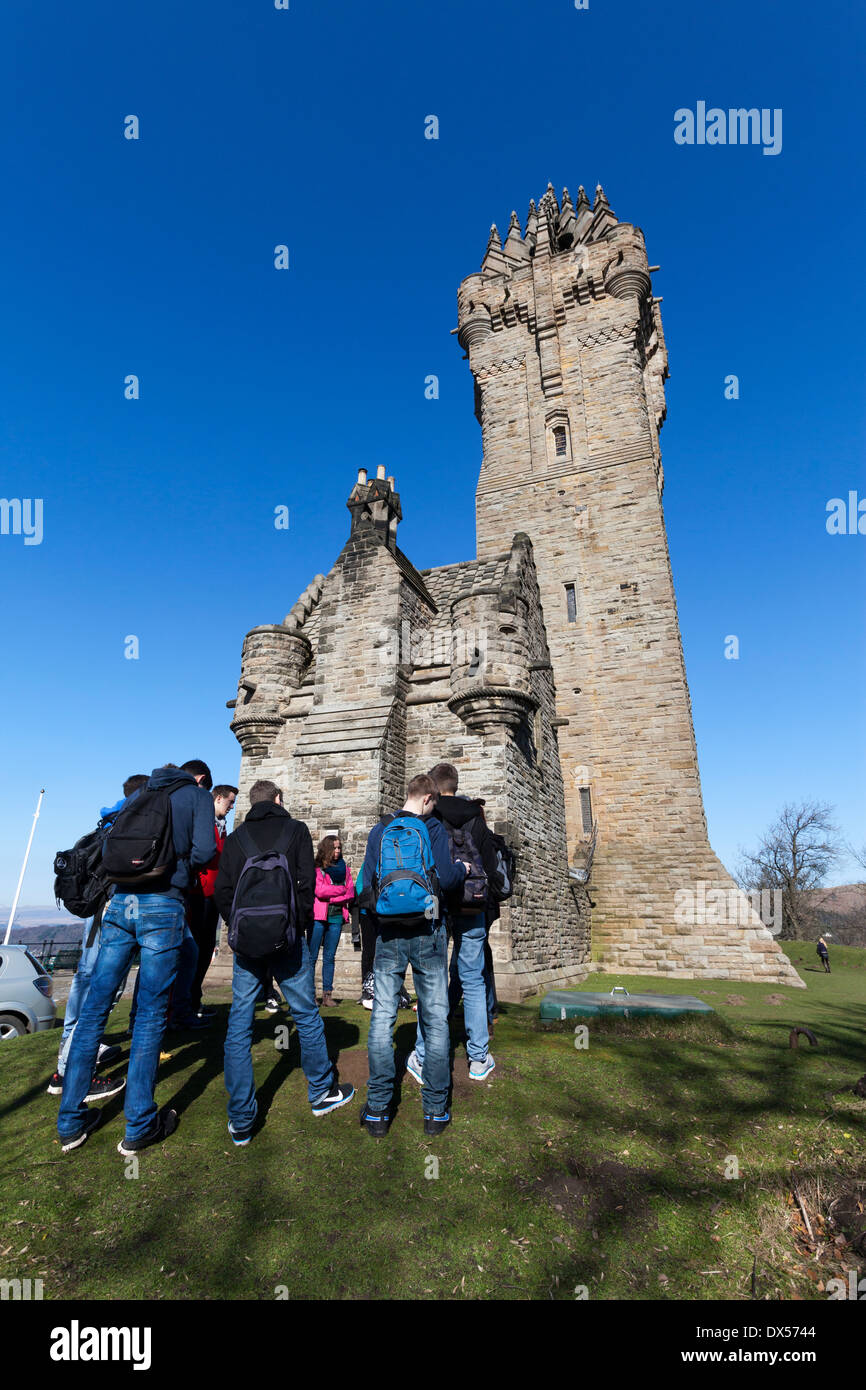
(601,1167)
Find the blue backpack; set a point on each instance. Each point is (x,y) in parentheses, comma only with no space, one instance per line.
(405,887)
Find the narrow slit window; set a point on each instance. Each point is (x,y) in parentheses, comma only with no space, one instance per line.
(571,603)
(560,441)
(586,810)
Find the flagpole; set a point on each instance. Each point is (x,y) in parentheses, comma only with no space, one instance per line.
(23,870)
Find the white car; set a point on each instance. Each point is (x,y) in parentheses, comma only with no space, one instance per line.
(26,1003)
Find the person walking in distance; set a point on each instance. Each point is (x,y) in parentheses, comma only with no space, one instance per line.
(824,953)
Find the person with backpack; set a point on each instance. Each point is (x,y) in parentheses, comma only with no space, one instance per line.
(469,839)
(334,891)
(407,867)
(202,913)
(264,892)
(100,1087)
(824,953)
(161,834)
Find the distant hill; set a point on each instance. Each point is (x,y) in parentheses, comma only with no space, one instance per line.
(34,924)
(842,912)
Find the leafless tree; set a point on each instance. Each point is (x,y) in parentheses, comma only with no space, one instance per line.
(795,855)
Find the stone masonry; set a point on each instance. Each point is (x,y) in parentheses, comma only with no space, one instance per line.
(550,669)
(379,672)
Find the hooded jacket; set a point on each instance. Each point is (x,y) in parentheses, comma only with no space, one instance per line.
(460,811)
(266,823)
(191,828)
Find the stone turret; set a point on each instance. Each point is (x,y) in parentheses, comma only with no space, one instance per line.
(491,641)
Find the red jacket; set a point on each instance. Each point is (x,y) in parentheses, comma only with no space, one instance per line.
(207,876)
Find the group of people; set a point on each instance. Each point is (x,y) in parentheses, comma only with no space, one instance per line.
(431,870)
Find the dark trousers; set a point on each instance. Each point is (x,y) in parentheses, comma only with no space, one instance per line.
(368,944)
(202,917)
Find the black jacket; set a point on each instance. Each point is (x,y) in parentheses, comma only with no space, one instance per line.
(266,823)
(460,811)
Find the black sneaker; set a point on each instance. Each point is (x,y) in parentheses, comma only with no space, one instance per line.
(435,1124)
(101,1087)
(272,1004)
(367,991)
(405,1001)
(108,1054)
(375,1122)
(166,1124)
(193,1024)
(55,1085)
(91,1122)
(337,1096)
(206,1014)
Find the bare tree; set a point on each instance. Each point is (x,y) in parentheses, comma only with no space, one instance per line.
(795,855)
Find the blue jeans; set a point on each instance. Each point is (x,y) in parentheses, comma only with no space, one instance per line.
(455,989)
(427,953)
(293,972)
(79,991)
(181,996)
(155,923)
(329,932)
(470,937)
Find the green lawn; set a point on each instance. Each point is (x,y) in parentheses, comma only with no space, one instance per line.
(602,1167)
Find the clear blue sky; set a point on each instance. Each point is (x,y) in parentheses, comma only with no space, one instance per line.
(261,388)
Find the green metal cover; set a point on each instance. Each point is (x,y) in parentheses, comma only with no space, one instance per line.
(619,1003)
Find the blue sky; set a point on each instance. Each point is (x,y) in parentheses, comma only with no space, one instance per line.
(261,388)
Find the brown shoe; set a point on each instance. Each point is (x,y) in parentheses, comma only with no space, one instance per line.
(328,1001)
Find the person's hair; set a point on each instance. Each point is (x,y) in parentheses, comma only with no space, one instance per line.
(224,790)
(326,847)
(134,783)
(264,791)
(198,769)
(421,786)
(446,777)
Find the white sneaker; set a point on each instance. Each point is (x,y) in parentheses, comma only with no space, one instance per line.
(479,1070)
(413,1067)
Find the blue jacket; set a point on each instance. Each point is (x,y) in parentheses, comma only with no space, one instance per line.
(450,875)
(191,828)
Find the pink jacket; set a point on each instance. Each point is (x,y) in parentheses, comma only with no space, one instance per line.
(330,894)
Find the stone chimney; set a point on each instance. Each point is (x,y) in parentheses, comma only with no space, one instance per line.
(376,504)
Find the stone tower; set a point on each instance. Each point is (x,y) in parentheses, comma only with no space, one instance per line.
(564,339)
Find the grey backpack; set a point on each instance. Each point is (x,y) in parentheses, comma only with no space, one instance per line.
(263,917)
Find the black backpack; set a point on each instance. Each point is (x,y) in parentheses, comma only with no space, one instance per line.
(139,847)
(476,888)
(264,914)
(502,885)
(79,882)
